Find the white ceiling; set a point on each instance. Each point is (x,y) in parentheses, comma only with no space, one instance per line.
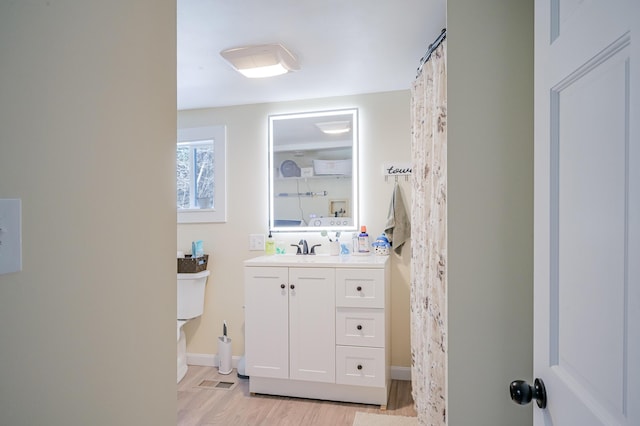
(344,47)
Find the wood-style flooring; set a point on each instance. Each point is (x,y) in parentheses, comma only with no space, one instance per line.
(207,398)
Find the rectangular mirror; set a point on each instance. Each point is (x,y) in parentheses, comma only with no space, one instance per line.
(313,171)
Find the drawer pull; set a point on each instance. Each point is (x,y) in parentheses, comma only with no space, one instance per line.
(359,367)
(359,327)
(359,288)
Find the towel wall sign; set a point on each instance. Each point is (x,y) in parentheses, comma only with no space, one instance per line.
(396,169)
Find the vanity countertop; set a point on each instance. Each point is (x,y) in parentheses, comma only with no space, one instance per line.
(320,260)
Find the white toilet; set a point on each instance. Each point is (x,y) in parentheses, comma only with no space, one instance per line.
(190,305)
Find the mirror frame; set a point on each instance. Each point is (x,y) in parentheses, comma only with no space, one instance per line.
(354,206)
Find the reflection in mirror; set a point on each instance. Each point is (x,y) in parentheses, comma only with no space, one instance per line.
(313,171)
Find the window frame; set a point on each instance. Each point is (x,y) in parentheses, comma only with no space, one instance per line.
(217,214)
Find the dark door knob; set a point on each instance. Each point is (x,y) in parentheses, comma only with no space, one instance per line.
(522,392)
(292,287)
(282,286)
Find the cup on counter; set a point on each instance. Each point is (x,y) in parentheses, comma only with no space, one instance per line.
(334,248)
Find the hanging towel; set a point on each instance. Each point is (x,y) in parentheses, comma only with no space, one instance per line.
(398,228)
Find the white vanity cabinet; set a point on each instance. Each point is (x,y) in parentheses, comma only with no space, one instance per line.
(318,327)
(290,323)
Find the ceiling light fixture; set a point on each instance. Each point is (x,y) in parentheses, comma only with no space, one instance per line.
(266,60)
(334,127)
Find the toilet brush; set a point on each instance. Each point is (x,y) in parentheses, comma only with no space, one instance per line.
(224,352)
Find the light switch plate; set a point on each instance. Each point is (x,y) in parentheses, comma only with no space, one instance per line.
(10,236)
(256,242)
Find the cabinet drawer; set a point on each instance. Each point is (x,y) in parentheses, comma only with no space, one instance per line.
(360,288)
(360,366)
(360,327)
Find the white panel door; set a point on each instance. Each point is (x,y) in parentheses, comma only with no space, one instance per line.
(266,296)
(587,212)
(312,324)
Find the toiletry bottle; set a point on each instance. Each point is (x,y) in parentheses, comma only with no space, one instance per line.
(363,240)
(270,245)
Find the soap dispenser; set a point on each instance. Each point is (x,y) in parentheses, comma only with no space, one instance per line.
(270,245)
(363,240)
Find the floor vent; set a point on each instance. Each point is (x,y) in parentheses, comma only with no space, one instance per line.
(215,384)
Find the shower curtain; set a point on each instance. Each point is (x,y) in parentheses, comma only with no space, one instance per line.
(429,240)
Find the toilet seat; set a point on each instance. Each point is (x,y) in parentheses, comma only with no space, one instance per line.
(182,350)
(180,324)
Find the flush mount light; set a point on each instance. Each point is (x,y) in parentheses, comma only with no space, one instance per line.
(334,127)
(266,60)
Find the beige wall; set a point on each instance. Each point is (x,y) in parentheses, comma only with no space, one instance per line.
(87,334)
(490,147)
(87,135)
(384,136)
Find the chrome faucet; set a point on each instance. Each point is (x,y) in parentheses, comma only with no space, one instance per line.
(303,247)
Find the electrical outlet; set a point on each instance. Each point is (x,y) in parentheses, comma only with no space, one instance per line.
(256,242)
(10,236)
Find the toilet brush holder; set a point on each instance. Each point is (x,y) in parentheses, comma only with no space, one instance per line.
(224,355)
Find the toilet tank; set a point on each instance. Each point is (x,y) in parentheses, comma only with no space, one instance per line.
(191,294)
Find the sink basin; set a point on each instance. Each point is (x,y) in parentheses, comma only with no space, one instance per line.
(317,259)
(302,258)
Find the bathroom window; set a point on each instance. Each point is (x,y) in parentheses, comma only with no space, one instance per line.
(195,174)
(200,175)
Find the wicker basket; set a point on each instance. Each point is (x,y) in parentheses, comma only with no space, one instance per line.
(190,265)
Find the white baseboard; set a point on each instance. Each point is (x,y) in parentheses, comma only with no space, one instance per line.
(211,360)
(400,373)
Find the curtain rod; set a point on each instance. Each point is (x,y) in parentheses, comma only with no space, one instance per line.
(433,46)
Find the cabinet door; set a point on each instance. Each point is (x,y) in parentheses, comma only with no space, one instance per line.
(312,324)
(266,322)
